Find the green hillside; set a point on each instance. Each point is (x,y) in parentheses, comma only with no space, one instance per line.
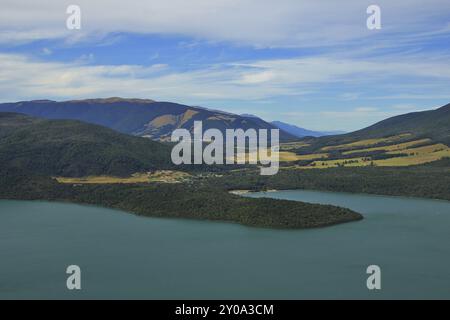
(432,124)
(72,148)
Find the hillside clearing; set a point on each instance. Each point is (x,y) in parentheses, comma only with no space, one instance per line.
(368,142)
(163,176)
(394,147)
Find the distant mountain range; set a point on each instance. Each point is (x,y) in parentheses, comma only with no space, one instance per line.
(156,120)
(301,132)
(141,117)
(295,130)
(75,148)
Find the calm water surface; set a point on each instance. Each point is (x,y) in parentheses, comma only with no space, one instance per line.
(125,256)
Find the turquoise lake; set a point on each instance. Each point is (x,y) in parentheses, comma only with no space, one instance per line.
(125,256)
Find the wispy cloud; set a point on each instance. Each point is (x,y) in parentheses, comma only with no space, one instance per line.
(288,23)
(25,77)
(46,51)
(313,59)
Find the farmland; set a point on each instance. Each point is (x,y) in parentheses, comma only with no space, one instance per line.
(389,151)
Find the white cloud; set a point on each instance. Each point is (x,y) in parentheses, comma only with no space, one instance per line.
(352,71)
(403,106)
(46,51)
(365,109)
(259,77)
(360,113)
(350,96)
(260,23)
(86,58)
(22,77)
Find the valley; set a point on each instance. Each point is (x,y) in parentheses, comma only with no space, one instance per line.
(71,160)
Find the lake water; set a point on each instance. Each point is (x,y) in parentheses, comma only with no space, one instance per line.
(125,256)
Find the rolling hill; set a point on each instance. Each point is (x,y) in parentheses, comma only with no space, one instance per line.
(432,124)
(406,140)
(73,148)
(141,117)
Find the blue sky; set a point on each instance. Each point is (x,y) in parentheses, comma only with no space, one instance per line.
(310,63)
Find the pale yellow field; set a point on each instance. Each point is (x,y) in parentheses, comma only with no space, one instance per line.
(354,162)
(166,176)
(285,156)
(422,150)
(400,146)
(293,145)
(320,160)
(415,156)
(368,142)
(414,160)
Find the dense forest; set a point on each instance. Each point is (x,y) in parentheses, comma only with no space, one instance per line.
(427,181)
(74,148)
(177,200)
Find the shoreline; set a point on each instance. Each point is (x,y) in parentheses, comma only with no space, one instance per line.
(245,191)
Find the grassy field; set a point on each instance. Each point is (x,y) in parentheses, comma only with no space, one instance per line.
(390,151)
(286,156)
(394,147)
(164,176)
(417,155)
(421,150)
(367,143)
(414,156)
(293,145)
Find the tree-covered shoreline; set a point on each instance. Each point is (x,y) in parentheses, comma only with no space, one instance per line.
(179,201)
(430,181)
